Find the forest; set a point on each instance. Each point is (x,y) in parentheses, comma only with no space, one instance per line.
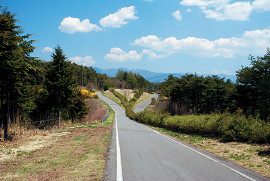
(34,90)
(192,94)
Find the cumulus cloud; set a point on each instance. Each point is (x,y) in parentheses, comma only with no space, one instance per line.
(86,61)
(221,10)
(237,11)
(47,50)
(73,25)
(177,15)
(250,42)
(152,55)
(261,5)
(119,55)
(119,18)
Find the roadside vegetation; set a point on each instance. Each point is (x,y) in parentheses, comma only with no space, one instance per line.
(77,151)
(209,111)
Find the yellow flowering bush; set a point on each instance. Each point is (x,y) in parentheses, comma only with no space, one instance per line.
(87,94)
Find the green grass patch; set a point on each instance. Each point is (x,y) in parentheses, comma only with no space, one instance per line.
(138,102)
(80,138)
(114,98)
(235,157)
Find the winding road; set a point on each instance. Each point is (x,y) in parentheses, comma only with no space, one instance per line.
(138,152)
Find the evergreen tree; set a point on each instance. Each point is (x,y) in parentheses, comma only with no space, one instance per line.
(254,87)
(60,82)
(16,69)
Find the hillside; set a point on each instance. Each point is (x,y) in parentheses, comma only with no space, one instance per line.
(154,77)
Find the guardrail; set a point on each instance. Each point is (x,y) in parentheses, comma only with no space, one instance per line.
(106,117)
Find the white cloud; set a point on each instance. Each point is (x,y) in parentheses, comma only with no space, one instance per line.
(73,25)
(261,5)
(47,50)
(177,15)
(226,72)
(86,61)
(237,11)
(189,10)
(119,18)
(152,55)
(119,55)
(221,10)
(250,42)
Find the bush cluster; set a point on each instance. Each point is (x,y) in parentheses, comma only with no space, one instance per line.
(88,94)
(128,105)
(136,96)
(229,127)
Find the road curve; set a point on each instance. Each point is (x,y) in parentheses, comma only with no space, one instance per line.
(137,152)
(140,107)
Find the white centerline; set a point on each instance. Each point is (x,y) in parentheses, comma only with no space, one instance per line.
(203,154)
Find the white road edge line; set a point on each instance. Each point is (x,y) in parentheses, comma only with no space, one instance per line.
(119,176)
(203,154)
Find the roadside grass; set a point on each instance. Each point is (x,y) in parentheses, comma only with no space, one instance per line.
(110,95)
(141,99)
(80,154)
(253,156)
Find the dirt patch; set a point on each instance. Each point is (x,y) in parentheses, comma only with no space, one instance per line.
(143,96)
(128,93)
(109,93)
(34,143)
(76,154)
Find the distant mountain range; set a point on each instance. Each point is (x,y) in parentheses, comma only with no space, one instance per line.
(153,76)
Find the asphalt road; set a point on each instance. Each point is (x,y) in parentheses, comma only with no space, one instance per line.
(140,107)
(137,152)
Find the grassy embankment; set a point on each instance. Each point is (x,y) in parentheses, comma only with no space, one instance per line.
(231,136)
(71,153)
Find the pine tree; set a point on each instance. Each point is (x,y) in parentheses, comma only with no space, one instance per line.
(16,68)
(60,82)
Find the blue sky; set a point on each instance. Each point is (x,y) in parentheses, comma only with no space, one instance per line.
(175,36)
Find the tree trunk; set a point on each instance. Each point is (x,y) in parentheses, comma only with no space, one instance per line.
(7,120)
(59,111)
(2,113)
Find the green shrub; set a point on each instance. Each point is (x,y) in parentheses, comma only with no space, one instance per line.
(229,127)
(236,127)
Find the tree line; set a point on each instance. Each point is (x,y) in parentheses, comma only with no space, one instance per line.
(32,90)
(192,94)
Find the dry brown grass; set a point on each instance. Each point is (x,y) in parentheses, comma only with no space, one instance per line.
(252,156)
(97,111)
(143,97)
(128,93)
(247,155)
(74,154)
